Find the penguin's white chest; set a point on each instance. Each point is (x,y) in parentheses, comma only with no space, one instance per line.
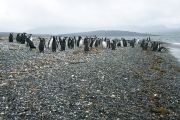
(94,43)
(137,41)
(104,44)
(81,43)
(31,38)
(122,44)
(50,43)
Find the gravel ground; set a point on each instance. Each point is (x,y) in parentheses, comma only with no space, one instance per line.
(127,83)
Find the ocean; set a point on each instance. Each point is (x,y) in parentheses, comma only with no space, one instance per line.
(173,40)
(174,43)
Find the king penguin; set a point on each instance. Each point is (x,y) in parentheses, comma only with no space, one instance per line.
(104,44)
(81,43)
(50,42)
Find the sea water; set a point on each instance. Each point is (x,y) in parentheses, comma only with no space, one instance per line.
(174,43)
(172,39)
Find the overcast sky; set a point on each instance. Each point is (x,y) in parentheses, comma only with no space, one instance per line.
(22,15)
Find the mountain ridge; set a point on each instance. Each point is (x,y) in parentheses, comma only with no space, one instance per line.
(102,33)
(107,33)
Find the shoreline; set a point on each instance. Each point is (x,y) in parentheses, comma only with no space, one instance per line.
(127,83)
(175,50)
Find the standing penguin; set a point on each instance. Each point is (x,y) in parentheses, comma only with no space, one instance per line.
(69,42)
(81,43)
(23,38)
(41,45)
(124,43)
(96,43)
(54,44)
(50,42)
(119,44)
(30,44)
(60,40)
(91,42)
(159,46)
(132,43)
(11,37)
(18,38)
(78,41)
(108,44)
(75,41)
(113,45)
(72,43)
(30,37)
(154,46)
(63,44)
(137,41)
(86,45)
(104,44)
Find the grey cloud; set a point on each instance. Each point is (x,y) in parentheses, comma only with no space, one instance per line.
(22,15)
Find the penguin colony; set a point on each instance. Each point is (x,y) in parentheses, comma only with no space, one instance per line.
(87,43)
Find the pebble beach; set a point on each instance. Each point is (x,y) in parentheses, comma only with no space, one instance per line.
(122,84)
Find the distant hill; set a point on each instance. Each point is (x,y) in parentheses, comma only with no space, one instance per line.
(83,31)
(4,34)
(107,33)
(101,33)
